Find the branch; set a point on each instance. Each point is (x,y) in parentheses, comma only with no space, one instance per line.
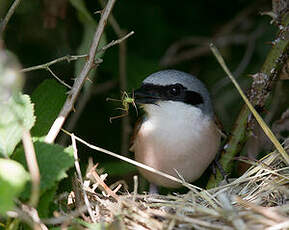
(78,171)
(57,78)
(67,58)
(259,92)
(8,16)
(68,106)
(82,101)
(79,81)
(32,166)
(115,42)
(259,119)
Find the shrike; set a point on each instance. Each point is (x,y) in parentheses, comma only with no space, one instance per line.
(178,134)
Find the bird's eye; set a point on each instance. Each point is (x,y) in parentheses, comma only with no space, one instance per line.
(175,90)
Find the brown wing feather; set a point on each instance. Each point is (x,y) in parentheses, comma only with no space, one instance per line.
(135,131)
(220,127)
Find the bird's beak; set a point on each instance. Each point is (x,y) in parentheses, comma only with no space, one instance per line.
(145,96)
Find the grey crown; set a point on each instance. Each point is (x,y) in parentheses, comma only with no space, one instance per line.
(170,77)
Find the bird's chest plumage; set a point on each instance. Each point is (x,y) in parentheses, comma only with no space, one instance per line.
(182,140)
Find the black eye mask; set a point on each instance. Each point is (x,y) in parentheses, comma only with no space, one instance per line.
(150,94)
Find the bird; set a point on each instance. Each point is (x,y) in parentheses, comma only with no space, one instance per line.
(177,134)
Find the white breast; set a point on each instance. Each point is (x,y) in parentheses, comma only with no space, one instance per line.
(176,136)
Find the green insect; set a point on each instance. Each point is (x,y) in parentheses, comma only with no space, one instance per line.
(125,100)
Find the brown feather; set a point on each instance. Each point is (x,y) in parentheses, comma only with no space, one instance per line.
(137,126)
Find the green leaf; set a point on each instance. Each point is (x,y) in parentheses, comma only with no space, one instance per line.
(53,161)
(45,202)
(16,115)
(12,180)
(48,98)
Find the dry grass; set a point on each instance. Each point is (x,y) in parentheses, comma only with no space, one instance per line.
(256,200)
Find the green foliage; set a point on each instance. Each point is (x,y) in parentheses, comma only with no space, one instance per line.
(12,180)
(13,224)
(118,168)
(157,26)
(53,160)
(46,201)
(16,115)
(48,98)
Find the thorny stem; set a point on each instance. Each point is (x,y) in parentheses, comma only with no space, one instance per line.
(270,70)
(68,106)
(79,81)
(46,66)
(67,58)
(9,14)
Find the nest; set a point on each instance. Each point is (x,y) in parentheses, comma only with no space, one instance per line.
(256,200)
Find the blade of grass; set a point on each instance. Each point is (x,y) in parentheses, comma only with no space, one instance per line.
(259,119)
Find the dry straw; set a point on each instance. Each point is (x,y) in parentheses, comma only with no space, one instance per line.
(256,200)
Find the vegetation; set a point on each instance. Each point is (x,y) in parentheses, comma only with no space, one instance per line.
(75,54)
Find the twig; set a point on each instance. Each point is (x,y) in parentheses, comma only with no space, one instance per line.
(112,21)
(135,187)
(7,17)
(79,81)
(32,166)
(100,181)
(115,42)
(33,214)
(67,58)
(281,225)
(92,90)
(27,215)
(265,211)
(257,95)
(57,78)
(248,108)
(45,66)
(133,162)
(77,167)
(83,99)
(230,213)
(65,218)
